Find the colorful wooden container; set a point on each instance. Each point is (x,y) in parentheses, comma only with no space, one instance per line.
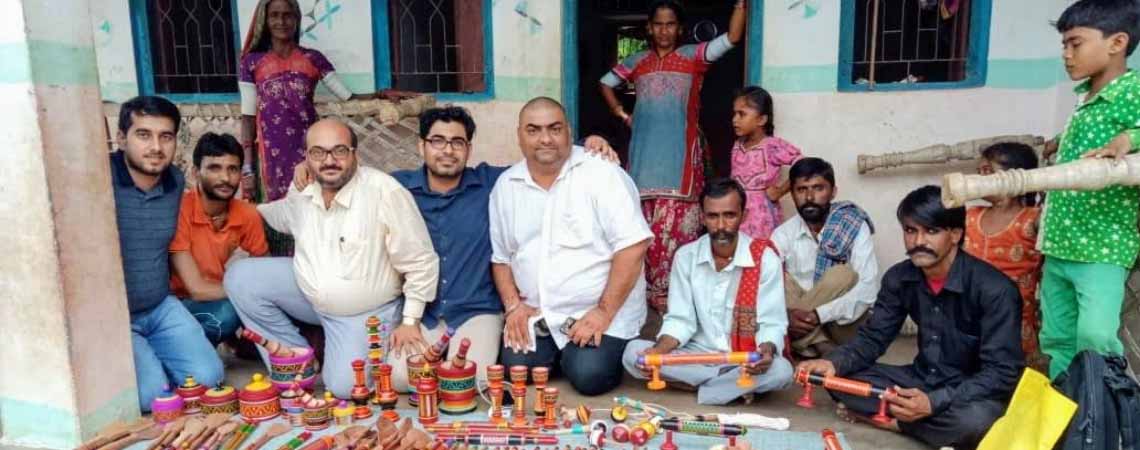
(283,370)
(166,407)
(191,393)
(428,390)
(258,402)
(417,370)
(222,399)
(457,388)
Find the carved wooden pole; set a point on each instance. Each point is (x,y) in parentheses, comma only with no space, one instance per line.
(942,153)
(1080,175)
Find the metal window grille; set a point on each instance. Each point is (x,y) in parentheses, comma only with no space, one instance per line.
(910,41)
(627,6)
(193,46)
(437,45)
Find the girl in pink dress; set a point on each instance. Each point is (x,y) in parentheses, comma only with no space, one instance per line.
(757,160)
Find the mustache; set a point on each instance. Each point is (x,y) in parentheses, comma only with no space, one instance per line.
(222,184)
(917,250)
(330,166)
(722,235)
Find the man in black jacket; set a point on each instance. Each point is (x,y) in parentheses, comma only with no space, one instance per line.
(969,320)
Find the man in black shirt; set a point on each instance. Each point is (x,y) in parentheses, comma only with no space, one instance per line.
(969,324)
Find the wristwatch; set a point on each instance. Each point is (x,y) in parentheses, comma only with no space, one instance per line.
(410,321)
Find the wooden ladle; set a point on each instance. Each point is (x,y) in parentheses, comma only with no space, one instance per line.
(153,432)
(275,430)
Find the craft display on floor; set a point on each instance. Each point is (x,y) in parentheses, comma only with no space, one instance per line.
(196,418)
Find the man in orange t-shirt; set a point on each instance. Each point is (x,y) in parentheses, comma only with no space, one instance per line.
(212,225)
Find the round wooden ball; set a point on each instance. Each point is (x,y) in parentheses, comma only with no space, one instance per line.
(620,433)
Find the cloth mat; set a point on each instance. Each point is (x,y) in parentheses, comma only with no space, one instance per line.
(760,438)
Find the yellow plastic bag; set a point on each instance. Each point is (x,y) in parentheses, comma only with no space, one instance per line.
(1035,419)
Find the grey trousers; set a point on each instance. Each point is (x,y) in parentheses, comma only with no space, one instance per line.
(716,385)
(264,291)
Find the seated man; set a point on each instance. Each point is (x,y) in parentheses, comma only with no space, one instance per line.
(722,279)
(362,250)
(168,343)
(568,242)
(969,330)
(211,226)
(829,259)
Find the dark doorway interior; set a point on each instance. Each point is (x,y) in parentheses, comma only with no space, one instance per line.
(606,25)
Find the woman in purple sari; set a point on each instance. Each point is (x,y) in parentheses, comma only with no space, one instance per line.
(277,79)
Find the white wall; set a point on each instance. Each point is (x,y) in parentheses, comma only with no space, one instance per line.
(1026,89)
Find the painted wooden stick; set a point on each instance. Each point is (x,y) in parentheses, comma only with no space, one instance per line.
(1081,175)
(942,153)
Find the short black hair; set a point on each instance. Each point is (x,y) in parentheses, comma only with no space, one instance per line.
(761,101)
(1107,16)
(1014,155)
(147,105)
(720,187)
(808,168)
(924,205)
(673,5)
(214,144)
(446,114)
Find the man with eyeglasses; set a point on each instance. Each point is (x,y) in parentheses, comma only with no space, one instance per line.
(362,250)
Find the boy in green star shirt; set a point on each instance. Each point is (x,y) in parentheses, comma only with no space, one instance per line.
(1089,238)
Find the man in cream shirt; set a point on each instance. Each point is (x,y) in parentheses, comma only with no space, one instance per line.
(362,250)
(568,245)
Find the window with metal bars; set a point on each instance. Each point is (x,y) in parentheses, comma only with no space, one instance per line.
(913,44)
(437,46)
(191,48)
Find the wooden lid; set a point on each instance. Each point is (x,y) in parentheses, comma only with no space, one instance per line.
(220,394)
(258,389)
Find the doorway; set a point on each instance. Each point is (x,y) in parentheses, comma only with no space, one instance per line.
(605,31)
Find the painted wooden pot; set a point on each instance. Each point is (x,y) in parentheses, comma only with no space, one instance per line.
(166,407)
(417,370)
(222,399)
(258,401)
(292,408)
(283,370)
(457,390)
(191,393)
(316,416)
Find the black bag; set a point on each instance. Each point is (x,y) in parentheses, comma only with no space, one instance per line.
(1108,404)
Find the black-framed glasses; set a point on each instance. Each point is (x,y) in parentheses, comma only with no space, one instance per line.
(319,153)
(439,142)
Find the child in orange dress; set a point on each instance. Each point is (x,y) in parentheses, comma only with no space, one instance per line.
(1004,234)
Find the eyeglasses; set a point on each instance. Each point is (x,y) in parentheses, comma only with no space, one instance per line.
(439,142)
(338,152)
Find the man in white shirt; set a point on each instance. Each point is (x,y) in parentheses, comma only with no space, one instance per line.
(362,250)
(829,259)
(722,279)
(568,247)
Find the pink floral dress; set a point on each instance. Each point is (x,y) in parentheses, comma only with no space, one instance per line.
(757,168)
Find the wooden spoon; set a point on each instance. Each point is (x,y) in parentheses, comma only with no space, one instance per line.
(276,430)
(213,421)
(138,436)
(114,432)
(193,427)
(222,434)
(169,431)
(348,437)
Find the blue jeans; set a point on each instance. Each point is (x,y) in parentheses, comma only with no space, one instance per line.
(590,370)
(168,345)
(218,318)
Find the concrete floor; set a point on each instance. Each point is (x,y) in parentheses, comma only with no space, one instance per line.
(776,404)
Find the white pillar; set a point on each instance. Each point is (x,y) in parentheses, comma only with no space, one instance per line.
(65,356)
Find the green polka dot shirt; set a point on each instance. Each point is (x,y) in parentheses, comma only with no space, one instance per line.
(1096,226)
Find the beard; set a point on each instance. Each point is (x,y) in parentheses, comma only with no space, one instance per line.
(723,237)
(441,172)
(814,213)
(212,193)
(335,181)
(142,165)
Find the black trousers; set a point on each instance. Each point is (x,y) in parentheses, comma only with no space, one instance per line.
(962,425)
(590,370)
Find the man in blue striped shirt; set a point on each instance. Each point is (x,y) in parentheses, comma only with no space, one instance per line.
(167,341)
